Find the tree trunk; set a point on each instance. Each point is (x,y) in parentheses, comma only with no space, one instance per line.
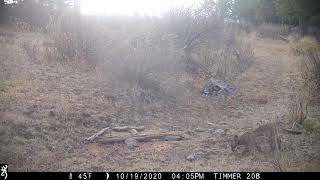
(2,8)
(1,5)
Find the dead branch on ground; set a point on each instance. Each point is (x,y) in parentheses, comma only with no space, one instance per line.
(143,138)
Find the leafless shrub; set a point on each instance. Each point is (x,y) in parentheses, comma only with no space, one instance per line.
(246,27)
(78,39)
(228,59)
(244,51)
(298,110)
(282,161)
(273,31)
(20,25)
(294,38)
(193,28)
(51,53)
(7,37)
(151,67)
(208,46)
(30,49)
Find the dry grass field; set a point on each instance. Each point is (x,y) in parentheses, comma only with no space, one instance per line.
(48,108)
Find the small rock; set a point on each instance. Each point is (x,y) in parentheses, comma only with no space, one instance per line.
(220,131)
(217,132)
(196,156)
(51,113)
(191,157)
(218,87)
(131,143)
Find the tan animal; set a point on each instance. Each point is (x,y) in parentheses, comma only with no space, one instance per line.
(263,139)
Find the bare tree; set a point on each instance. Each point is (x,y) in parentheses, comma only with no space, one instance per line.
(194,26)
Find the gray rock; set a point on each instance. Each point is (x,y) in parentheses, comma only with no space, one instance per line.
(196,156)
(191,157)
(218,87)
(131,143)
(217,132)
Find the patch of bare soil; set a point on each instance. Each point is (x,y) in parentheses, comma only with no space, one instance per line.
(48,109)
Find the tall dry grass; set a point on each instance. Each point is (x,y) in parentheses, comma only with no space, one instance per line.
(306,107)
(309,51)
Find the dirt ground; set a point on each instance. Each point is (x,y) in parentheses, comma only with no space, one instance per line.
(48,108)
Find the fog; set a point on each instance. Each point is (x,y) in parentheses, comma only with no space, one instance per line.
(132,7)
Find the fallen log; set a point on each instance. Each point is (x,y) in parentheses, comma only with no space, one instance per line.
(291,131)
(133,131)
(210,124)
(102,131)
(142,138)
(128,128)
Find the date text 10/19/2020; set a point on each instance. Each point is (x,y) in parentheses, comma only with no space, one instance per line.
(173,175)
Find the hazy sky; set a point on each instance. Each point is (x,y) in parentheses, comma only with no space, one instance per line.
(130,7)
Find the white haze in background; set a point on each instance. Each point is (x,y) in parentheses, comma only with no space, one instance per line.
(132,7)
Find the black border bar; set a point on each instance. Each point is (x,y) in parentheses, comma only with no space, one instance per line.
(161,175)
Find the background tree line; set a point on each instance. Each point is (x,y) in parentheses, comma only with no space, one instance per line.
(35,12)
(292,12)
